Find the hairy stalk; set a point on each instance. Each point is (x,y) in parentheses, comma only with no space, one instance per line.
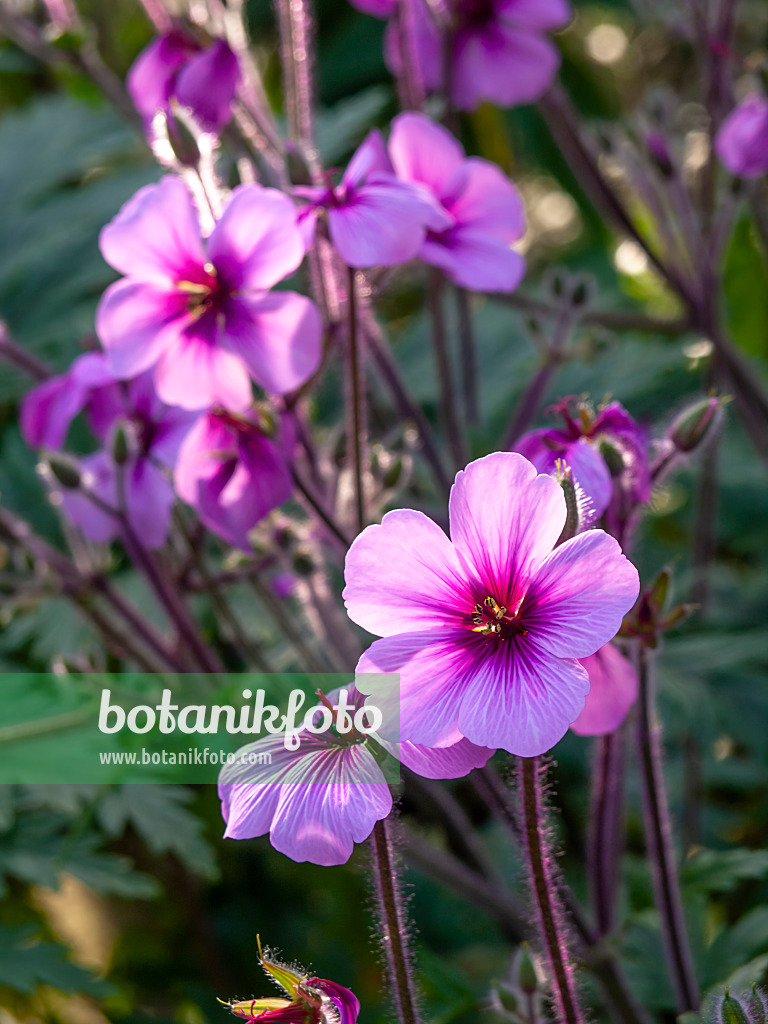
(24,360)
(355,403)
(658,832)
(296,24)
(285,622)
(606,827)
(392,923)
(317,505)
(545,894)
(456,440)
(612,319)
(468,353)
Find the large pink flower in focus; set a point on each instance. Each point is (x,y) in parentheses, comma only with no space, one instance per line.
(500,51)
(485,628)
(202,313)
(484,213)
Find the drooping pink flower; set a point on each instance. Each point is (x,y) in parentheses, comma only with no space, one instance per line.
(607,453)
(318,801)
(174,68)
(485,629)
(499,48)
(742,140)
(153,433)
(484,211)
(613,687)
(374,218)
(201,314)
(233,473)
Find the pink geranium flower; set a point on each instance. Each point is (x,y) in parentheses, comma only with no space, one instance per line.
(174,68)
(499,48)
(318,801)
(485,628)
(374,218)
(742,140)
(613,687)
(201,313)
(484,213)
(232,473)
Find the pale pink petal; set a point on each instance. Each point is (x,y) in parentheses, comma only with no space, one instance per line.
(135,322)
(522,699)
(49,408)
(257,242)
(536,14)
(148,500)
(424,151)
(371,157)
(505,519)
(435,667)
(613,687)
(444,762)
(404,575)
(380,225)
(475,261)
(156,236)
(488,202)
(503,66)
(278,336)
(579,595)
(195,372)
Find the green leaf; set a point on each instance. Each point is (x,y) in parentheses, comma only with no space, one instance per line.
(722,870)
(745,285)
(26,962)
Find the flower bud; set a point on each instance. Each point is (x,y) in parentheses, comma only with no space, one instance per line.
(526,971)
(695,424)
(612,457)
(120,448)
(659,153)
(506,997)
(732,1010)
(65,471)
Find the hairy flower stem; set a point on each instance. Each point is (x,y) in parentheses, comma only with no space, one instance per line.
(355,401)
(24,360)
(544,891)
(296,24)
(456,440)
(658,832)
(392,923)
(605,829)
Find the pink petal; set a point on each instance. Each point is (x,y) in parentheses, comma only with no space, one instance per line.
(423,151)
(404,575)
(505,519)
(474,260)
(371,157)
(613,687)
(149,500)
(536,14)
(207,85)
(135,322)
(380,225)
(580,594)
(278,337)
(98,476)
(156,236)
(444,762)
(742,140)
(488,202)
(503,66)
(521,699)
(49,408)
(435,667)
(150,78)
(194,372)
(257,242)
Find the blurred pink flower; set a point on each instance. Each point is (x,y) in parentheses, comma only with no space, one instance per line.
(201,315)
(483,210)
(742,140)
(485,629)
(613,687)
(174,68)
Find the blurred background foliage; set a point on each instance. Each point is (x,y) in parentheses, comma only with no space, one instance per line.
(124,904)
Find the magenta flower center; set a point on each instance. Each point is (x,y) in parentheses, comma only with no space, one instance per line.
(494,620)
(475,14)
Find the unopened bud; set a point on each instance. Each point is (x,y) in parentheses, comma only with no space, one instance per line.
(393,473)
(659,153)
(695,424)
(732,1010)
(298,170)
(65,471)
(303,563)
(506,997)
(612,457)
(758,1006)
(580,294)
(572,516)
(120,448)
(526,971)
